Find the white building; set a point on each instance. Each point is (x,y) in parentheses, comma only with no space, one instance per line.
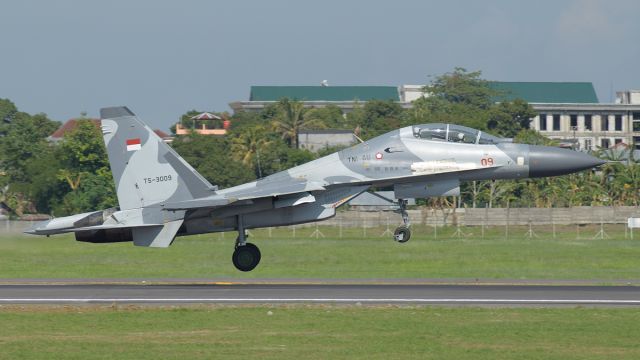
(568,111)
(316,140)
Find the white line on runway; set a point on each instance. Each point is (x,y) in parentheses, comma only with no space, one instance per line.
(320,300)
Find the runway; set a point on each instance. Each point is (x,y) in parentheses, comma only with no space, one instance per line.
(318,293)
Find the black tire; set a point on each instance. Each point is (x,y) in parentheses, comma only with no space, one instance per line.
(402,234)
(247,257)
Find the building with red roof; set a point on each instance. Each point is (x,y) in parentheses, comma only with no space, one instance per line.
(71,124)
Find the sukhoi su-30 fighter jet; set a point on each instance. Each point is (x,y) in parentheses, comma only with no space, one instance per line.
(161,196)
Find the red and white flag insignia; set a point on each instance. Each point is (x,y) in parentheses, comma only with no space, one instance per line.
(133,144)
(379,156)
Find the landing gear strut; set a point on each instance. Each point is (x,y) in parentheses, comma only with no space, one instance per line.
(402,233)
(246,256)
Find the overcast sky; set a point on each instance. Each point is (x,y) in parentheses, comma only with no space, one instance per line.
(162,58)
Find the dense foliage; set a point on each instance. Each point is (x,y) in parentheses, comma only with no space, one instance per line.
(39,176)
(73,175)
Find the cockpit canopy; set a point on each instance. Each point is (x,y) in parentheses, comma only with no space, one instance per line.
(455,133)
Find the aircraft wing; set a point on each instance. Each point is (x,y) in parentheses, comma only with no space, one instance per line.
(286,186)
(252,191)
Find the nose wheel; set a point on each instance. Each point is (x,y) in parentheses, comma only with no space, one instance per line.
(402,234)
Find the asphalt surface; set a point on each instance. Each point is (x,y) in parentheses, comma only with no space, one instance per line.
(352,293)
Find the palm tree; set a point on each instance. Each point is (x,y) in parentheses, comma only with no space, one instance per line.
(246,145)
(291,118)
(498,191)
(627,181)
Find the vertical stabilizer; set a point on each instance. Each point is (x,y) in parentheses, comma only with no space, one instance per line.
(145,169)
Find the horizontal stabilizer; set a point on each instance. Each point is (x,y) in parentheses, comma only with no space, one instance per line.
(156,236)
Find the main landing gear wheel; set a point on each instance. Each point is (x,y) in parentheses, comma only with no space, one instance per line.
(246,257)
(402,234)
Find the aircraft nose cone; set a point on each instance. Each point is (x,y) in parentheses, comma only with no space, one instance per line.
(552,161)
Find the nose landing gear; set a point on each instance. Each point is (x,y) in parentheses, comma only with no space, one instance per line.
(402,234)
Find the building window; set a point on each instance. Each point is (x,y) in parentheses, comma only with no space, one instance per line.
(543,122)
(588,123)
(604,122)
(636,142)
(636,126)
(573,122)
(636,116)
(618,122)
(617,141)
(604,143)
(556,122)
(587,144)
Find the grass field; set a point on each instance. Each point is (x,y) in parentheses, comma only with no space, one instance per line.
(573,254)
(327,332)
(318,332)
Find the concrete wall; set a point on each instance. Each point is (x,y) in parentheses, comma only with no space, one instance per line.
(315,141)
(490,217)
(13,227)
(448,217)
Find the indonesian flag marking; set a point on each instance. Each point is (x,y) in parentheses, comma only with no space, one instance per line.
(133,144)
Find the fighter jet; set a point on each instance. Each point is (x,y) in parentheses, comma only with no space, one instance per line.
(161,196)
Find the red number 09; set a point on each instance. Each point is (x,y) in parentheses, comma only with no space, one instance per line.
(486,161)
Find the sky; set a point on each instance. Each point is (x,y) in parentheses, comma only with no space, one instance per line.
(162,58)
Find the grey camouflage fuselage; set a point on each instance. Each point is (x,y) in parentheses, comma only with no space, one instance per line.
(161,196)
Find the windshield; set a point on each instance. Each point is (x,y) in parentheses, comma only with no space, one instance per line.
(454,133)
(431,132)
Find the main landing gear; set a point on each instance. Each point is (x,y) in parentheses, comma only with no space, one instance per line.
(402,234)
(246,256)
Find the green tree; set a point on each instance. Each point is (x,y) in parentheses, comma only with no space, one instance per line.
(330,116)
(290,119)
(95,191)
(8,111)
(458,97)
(22,146)
(85,170)
(508,118)
(244,119)
(328,150)
(247,146)
(374,118)
(462,87)
(380,116)
(41,188)
(210,156)
(533,137)
(278,156)
(24,139)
